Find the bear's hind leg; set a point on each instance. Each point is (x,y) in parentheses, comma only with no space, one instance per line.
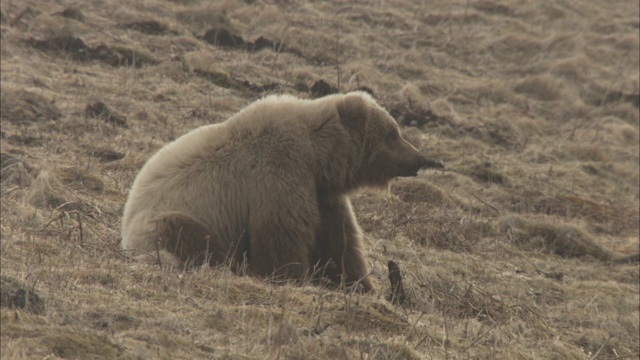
(188,239)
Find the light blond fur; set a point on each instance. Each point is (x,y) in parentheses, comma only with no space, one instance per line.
(269,185)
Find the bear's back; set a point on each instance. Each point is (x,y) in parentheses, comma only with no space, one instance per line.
(216,164)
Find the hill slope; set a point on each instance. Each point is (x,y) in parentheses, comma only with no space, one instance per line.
(520,248)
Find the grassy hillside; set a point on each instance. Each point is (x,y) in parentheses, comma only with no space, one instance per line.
(523,247)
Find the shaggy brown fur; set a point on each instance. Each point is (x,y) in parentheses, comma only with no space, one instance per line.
(269,186)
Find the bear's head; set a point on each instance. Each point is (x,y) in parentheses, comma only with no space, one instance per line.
(385,154)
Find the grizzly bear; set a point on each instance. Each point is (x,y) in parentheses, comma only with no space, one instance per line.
(267,188)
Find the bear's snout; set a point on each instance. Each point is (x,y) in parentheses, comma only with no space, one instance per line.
(412,161)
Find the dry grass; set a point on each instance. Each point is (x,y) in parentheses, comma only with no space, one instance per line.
(518,249)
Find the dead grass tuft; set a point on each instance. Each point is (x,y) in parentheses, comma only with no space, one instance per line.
(78,50)
(412,109)
(493,7)
(599,95)
(436,223)
(79,179)
(378,350)
(624,111)
(74,344)
(15,170)
(14,294)
(603,217)
(420,191)
(577,69)
(198,17)
(24,107)
(543,88)
(459,300)
(485,173)
(73,13)
(150,27)
(47,191)
(63,342)
(101,111)
(516,49)
(565,240)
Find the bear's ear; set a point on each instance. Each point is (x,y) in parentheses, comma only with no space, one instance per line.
(353,110)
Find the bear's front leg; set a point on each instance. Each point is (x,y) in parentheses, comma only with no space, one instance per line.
(339,243)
